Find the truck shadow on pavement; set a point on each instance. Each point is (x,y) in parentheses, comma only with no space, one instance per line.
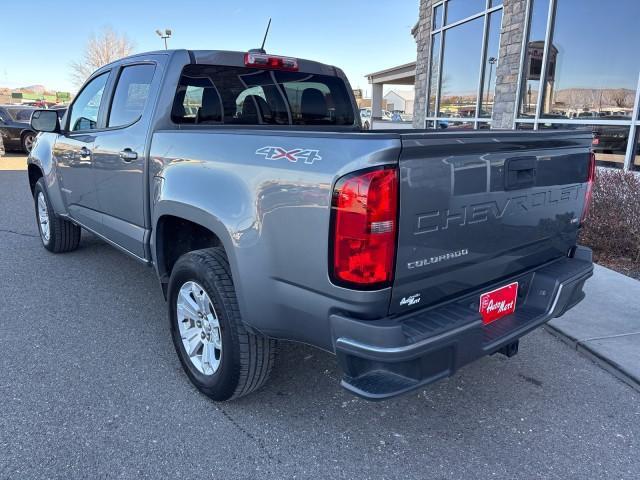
(304,378)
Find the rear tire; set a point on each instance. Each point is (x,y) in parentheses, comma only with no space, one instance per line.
(57,234)
(243,360)
(27,141)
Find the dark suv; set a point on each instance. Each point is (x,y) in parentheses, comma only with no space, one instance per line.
(15,129)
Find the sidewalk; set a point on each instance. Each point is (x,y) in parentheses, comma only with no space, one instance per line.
(606,324)
(13,161)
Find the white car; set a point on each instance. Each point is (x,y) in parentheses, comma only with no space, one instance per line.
(365,117)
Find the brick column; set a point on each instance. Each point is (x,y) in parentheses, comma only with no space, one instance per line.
(422,36)
(505,101)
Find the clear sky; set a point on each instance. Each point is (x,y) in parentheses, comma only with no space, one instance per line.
(359,36)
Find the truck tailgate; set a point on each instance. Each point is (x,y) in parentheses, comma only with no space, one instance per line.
(479,207)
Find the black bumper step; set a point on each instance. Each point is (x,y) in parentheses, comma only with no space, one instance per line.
(385,358)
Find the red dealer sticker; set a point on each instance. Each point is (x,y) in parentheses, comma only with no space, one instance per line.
(498,303)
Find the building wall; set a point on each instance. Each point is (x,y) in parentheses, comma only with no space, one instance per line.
(422,36)
(395,99)
(513,24)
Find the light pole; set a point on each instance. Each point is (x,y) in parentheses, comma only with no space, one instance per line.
(164,35)
(492,62)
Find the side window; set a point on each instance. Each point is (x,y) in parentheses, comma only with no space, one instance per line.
(84,112)
(131,95)
(24,115)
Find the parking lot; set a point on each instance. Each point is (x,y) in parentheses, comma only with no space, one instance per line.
(90,387)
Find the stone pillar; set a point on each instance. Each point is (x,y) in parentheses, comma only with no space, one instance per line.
(376,101)
(422,35)
(505,101)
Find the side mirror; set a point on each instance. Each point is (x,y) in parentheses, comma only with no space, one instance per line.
(45,121)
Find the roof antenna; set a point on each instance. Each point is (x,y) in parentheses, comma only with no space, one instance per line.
(261,49)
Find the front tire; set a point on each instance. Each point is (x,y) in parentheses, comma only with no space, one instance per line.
(220,357)
(57,234)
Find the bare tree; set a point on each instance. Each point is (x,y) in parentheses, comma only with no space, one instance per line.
(620,98)
(101,49)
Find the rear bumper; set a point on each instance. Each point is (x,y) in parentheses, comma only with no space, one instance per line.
(389,357)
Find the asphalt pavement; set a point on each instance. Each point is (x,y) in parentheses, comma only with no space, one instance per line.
(90,387)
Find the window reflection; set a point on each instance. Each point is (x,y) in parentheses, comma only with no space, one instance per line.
(458,125)
(593,75)
(635,165)
(435,70)
(460,9)
(461,69)
(609,141)
(437,16)
(491,64)
(533,57)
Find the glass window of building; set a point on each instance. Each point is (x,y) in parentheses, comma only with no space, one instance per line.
(609,141)
(490,63)
(460,9)
(534,50)
(461,69)
(437,16)
(592,68)
(435,70)
(635,162)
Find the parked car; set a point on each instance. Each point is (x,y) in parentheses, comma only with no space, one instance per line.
(365,118)
(60,110)
(268,213)
(611,139)
(16,132)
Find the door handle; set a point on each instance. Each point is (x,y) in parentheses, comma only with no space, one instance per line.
(128,155)
(520,172)
(85,152)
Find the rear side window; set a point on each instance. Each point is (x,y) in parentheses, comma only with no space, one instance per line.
(209,94)
(21,115)
(131,95)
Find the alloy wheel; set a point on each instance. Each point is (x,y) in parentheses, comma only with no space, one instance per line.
(43,217)
(29,140)
(199,328)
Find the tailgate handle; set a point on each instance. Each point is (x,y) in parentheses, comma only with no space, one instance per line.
(519,172)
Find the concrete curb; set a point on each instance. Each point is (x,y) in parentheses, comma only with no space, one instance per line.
(605,363)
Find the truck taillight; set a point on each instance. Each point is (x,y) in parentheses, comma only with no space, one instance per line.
(364,221)
(273,62)
(591,176)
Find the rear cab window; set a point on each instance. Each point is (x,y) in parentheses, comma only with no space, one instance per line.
(209,94)
(131,94)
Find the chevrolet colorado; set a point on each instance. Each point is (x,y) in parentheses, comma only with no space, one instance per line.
(246,181)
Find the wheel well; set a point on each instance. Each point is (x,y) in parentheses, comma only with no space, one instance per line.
(34,175)
(176,236)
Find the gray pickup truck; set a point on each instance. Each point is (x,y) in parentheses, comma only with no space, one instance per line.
(246,181)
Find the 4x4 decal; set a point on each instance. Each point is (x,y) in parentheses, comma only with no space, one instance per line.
(277,153)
